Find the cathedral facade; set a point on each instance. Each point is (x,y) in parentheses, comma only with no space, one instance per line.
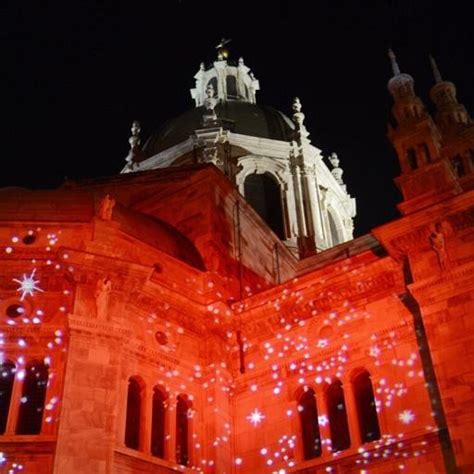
(208,310)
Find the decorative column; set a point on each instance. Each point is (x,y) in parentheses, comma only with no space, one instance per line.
(352,416)
(147,417)
(87,427)
(14,405)
(323,421)
(122,411)
(170,418)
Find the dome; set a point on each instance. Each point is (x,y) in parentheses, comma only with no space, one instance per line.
(239,117)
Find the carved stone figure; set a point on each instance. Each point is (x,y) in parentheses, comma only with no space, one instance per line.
(437,240)
(106,207)
(102,293)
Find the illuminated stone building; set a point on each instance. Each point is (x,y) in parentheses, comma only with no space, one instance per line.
(208,310)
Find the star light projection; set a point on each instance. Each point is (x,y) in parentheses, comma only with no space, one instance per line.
(19,343)
(28,285)
(256,417)
(294,349)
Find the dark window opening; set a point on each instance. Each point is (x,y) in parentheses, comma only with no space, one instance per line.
(182,429)
(7,377)
(263,194)
(426,152)
(29,238)
(309,425)
(32,400)
(366,409)
(337,414)
(15,310)
(411,158)
(231,83)
(458,166)
(133,417)
(158,424)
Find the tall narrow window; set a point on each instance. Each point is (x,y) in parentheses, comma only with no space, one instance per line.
(231,84)
(426,152)
(337,414)
(32,400)
(411,158)
(7,377)
(182,430)
(134,413)
(309,425)
(158,423)
(366,410)
(262,192)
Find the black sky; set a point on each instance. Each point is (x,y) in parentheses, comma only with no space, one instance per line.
(75,75)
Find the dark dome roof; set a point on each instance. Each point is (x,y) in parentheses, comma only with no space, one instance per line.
(239,117)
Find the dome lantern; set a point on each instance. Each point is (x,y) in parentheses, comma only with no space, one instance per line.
(231,80)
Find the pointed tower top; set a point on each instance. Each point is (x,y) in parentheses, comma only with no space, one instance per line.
(436,73)
(393,60)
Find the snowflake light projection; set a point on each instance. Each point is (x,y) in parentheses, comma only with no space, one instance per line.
(27,285)
(406,417)
(256,417)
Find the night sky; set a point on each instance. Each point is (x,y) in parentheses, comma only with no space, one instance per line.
(76,74)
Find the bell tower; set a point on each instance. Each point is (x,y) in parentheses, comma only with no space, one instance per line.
(426,177)
(457,128)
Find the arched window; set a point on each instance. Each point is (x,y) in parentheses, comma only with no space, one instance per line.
(333,229)
(134,413)
(309,424)
(231,83)
(32,400)
(337,414)
(366,409)
(7,377)
(263,194)
(182,430)
(158,423)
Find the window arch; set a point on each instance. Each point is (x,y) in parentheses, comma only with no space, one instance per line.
(30,415)
(158,422)
(337,414)
(262,192)
(309,424)
(7,377)
(366,409)
(183,406)
(134,412)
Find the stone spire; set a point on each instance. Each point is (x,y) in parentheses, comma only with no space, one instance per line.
(450,114)
(393,60)
(135,155)
(436,73)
